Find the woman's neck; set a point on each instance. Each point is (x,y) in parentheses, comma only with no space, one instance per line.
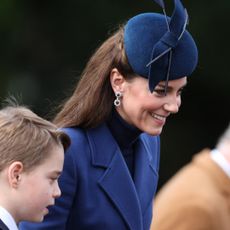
(124,133)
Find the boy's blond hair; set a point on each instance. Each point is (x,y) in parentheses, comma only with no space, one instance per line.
(26,137)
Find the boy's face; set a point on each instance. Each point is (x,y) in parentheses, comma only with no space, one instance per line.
(39,188)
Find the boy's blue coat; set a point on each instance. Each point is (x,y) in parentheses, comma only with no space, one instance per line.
(97,189)
(3,226)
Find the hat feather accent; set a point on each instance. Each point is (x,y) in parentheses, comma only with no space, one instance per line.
(167,42)
(161,3)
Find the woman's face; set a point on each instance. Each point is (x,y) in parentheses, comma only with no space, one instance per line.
(149,111)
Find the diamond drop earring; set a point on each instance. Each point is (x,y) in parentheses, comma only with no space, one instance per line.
(117,101)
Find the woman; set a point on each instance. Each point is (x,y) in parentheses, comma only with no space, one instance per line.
(129,87)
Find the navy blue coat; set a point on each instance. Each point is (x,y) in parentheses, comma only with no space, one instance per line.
(98,192)
(3,226)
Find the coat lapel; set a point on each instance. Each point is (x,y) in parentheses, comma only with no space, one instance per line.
(116,181)
(119,186)
(146,176)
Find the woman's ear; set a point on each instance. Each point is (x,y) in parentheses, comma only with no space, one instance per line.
(14,173)
(117,80)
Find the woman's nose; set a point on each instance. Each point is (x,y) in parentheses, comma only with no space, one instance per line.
(172,105)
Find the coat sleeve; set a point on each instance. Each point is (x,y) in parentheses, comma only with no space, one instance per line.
(59,213)
(188,217)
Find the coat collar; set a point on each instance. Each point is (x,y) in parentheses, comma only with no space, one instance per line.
(219,176)
(130,197)
(100,138)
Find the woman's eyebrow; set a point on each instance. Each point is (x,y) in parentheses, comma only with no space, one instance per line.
(161,85)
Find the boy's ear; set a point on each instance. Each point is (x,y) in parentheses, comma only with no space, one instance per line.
(14,173)
(117,80)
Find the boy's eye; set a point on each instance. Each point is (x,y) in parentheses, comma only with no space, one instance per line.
(53,178)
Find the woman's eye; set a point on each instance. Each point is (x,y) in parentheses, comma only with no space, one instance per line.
(180,92)
(160,92)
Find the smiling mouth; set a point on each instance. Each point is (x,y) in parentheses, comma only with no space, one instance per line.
(158,117)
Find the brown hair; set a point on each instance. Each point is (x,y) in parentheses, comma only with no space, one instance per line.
(92,100)
(26,137)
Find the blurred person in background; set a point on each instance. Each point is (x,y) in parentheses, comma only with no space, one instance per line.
(130,86)
(198,196)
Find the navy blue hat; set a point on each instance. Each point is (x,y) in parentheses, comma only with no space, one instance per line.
(159,48)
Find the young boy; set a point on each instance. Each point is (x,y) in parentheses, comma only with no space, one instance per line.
(31,160)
